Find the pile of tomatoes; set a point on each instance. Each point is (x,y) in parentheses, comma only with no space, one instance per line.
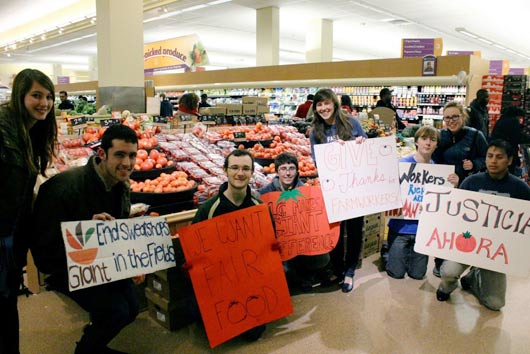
(176,181)
(147,161)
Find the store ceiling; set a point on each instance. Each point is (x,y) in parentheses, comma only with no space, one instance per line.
(362,29)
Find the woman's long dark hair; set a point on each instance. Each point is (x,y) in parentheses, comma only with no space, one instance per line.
(342,123)
(40,139)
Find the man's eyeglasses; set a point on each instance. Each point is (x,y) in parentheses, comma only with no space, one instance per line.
(245,169)
(453,118)
(286,169)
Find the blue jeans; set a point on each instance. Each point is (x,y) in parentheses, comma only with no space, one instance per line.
(402,259)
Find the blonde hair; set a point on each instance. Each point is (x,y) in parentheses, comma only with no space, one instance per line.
(460,107)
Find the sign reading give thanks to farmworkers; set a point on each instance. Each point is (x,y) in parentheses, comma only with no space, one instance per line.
(358,178)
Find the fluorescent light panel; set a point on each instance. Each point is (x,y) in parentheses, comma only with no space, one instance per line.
(487,41)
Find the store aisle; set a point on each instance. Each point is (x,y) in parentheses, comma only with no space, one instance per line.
(381,315)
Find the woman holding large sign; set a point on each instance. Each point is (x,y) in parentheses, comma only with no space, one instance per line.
(332,124)
(461,146)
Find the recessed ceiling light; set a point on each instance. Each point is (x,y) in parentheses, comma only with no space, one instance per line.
(43,37)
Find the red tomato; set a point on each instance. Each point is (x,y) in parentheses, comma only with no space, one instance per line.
(146,165)
(465,242)
(142,154)
(154,154)
(162,161)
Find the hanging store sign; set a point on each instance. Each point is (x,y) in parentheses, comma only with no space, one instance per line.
(185,53)
(499,67)
(420,47)
(464,52)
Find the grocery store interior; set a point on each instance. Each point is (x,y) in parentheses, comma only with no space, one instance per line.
(257,60)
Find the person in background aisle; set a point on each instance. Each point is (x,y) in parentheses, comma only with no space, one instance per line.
(478,112)
(488,286)
(28,134)
(509,128)
(300,270)
(204,101)
(385,96)
(233,195)
(65,103)
(166,107)
(331,124)
(402,259)
(345,103)
(188,104)
(98,191)
(461,146)
(301,111)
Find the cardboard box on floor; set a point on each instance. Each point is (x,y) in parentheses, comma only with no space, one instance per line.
(373,234)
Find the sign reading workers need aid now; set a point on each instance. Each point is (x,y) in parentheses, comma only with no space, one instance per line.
(420,47)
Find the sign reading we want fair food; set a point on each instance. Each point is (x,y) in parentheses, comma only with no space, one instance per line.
(358,178)
(478,229)
(100,252)
(238,279)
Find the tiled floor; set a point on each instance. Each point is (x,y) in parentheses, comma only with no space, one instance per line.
(382,315)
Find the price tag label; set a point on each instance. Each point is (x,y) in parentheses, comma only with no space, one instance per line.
(94,145)
(77,122)
(160,121)
(90,119)
(109,121)
(240,136)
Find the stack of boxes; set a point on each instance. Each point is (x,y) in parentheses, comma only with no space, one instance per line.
(373,234)
(514,90)
(494,85)
(253,105)
(168,300)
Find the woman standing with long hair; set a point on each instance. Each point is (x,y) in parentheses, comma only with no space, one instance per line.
(28,133)
(332,124)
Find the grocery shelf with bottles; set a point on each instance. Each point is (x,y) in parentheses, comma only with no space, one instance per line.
(412,102)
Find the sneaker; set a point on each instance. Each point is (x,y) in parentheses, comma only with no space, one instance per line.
(466,283)
(347,285)
(254,334)
(436,271)
(441,296)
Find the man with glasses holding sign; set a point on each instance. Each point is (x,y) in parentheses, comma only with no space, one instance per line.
(233,195)
(461,146)
(302,270)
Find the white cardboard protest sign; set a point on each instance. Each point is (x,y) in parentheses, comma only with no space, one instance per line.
(478,229)
(413,177)
(358,179)
(100,252)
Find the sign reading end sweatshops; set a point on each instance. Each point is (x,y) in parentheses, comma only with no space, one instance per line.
(100,252)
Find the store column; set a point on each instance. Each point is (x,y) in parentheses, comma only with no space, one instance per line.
(120,54)
(93,68)
(319,41)
(57,71)
(267,36)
